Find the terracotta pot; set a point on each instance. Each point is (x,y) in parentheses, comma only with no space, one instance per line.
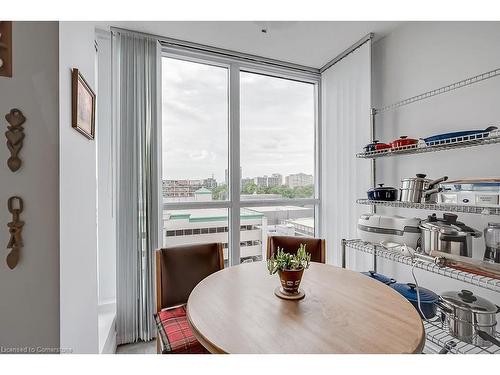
(290,280)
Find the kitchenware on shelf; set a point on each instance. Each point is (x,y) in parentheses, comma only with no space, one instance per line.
(470,317)
(492,242)
(377,146)
(428,299)
(404,141)
(420,189)
(402,249)
(379,277)
(377,228)
(480,191)
(458,136)
(383,193)
(447,235)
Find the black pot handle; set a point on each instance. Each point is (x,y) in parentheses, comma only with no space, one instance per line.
(486,336)
(498,309)
(453,238)
(443,307)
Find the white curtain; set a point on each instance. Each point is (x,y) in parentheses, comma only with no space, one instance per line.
(346,103)
(136,96)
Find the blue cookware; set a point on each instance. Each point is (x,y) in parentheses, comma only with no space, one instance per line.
(428,299)
(448,137)
(379,277)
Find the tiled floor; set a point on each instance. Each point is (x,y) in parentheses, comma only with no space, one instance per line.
(137,348)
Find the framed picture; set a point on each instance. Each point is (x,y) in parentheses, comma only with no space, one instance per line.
(82,105)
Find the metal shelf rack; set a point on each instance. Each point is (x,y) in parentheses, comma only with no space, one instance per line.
(466,209)
(379,251)
(463,83)
(437,333)
(476,139)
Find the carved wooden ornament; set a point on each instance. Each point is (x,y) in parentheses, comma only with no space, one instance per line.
(15,206)
(15,137)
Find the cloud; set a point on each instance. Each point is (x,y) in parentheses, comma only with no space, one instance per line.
(276,123)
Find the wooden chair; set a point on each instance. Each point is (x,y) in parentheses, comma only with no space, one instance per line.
(315,246)
(178,270)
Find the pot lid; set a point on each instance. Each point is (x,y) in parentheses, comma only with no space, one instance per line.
(418,177)
(379,277)
(466,300)
(409,291)
(381,187)
(439,226)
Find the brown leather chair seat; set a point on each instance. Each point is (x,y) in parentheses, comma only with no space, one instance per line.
(315,246)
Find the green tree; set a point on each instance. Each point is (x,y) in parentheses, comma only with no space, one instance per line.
(249,188)
(219,192)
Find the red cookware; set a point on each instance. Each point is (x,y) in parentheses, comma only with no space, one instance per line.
(403,141)
(376,146)
(382,146)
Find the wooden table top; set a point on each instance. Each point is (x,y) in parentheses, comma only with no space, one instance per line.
(235,311)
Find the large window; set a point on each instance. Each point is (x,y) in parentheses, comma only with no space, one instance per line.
(277,137)
(240,155)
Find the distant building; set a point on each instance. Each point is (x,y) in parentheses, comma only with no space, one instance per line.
(180,188)
(275,180)
(210,183)
(303,226)
(211,225)
(299,179)
(260,181)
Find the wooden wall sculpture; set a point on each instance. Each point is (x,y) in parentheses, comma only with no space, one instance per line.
(15,206)
(15,137)
(6,48)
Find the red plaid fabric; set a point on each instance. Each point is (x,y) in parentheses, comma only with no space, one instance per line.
(175,333)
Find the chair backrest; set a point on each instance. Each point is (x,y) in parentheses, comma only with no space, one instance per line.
(315,246)
(179,269)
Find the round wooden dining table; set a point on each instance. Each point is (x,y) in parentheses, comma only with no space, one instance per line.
(235,310)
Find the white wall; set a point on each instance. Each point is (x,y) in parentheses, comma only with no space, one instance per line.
(106,171)
(106,219)
(78,198)
(29,294)
(420,56)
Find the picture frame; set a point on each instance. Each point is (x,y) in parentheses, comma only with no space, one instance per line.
(82,105)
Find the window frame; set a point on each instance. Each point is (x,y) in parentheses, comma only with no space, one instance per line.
(234,204)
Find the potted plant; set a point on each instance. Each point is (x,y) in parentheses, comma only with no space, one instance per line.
(290,268)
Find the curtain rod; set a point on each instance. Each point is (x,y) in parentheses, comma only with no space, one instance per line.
(165,41)
(348,51)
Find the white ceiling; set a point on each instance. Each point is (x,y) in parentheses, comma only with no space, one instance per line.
(310,43)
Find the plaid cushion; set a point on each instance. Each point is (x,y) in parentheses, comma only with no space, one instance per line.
(175,333)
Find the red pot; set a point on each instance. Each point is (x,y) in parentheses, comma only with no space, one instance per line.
(403,141)
(382,146)
(290,280)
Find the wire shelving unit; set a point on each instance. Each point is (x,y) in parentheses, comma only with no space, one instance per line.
(448,207)
(395,256)
(476,139)
(437,333)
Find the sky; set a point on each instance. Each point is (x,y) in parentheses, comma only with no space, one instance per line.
(276,123)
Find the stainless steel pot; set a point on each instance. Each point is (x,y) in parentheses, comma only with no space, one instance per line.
(446,235)
(470,318)
(420,189)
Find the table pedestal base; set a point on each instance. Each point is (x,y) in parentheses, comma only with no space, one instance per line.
(294,297)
